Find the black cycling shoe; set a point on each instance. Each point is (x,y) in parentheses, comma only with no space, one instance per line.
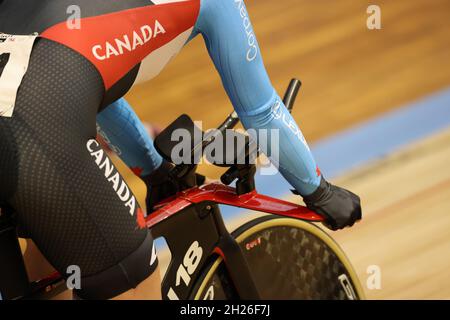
(340,207)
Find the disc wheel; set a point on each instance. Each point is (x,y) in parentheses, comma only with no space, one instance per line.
(289,259)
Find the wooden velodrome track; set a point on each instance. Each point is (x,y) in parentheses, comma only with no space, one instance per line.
(350,74)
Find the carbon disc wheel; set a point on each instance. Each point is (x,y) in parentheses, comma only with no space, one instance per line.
(289,259)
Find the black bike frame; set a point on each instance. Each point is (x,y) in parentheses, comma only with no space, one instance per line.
(207,228)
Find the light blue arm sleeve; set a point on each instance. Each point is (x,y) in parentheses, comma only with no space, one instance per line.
(232,45)
(125,134)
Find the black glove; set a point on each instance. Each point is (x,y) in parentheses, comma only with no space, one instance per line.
(340,207)
(161,186)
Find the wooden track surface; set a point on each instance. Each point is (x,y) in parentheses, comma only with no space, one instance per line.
(350,74)
(406,226)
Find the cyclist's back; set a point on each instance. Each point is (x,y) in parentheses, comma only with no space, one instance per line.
(127,41)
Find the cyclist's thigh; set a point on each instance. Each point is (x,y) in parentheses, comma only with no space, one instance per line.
(69,198)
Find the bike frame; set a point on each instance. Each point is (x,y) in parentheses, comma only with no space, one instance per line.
(225,195)
(198,209)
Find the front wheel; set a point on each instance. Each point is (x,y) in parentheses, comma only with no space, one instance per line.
(289,259)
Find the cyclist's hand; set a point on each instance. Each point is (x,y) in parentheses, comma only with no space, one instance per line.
(340,207)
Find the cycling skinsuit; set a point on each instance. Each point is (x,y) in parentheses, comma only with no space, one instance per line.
(69,197)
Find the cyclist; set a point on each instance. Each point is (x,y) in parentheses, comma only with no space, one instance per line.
(70,199)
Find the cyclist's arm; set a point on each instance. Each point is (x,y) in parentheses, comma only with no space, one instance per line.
(122,130)
(232,46)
